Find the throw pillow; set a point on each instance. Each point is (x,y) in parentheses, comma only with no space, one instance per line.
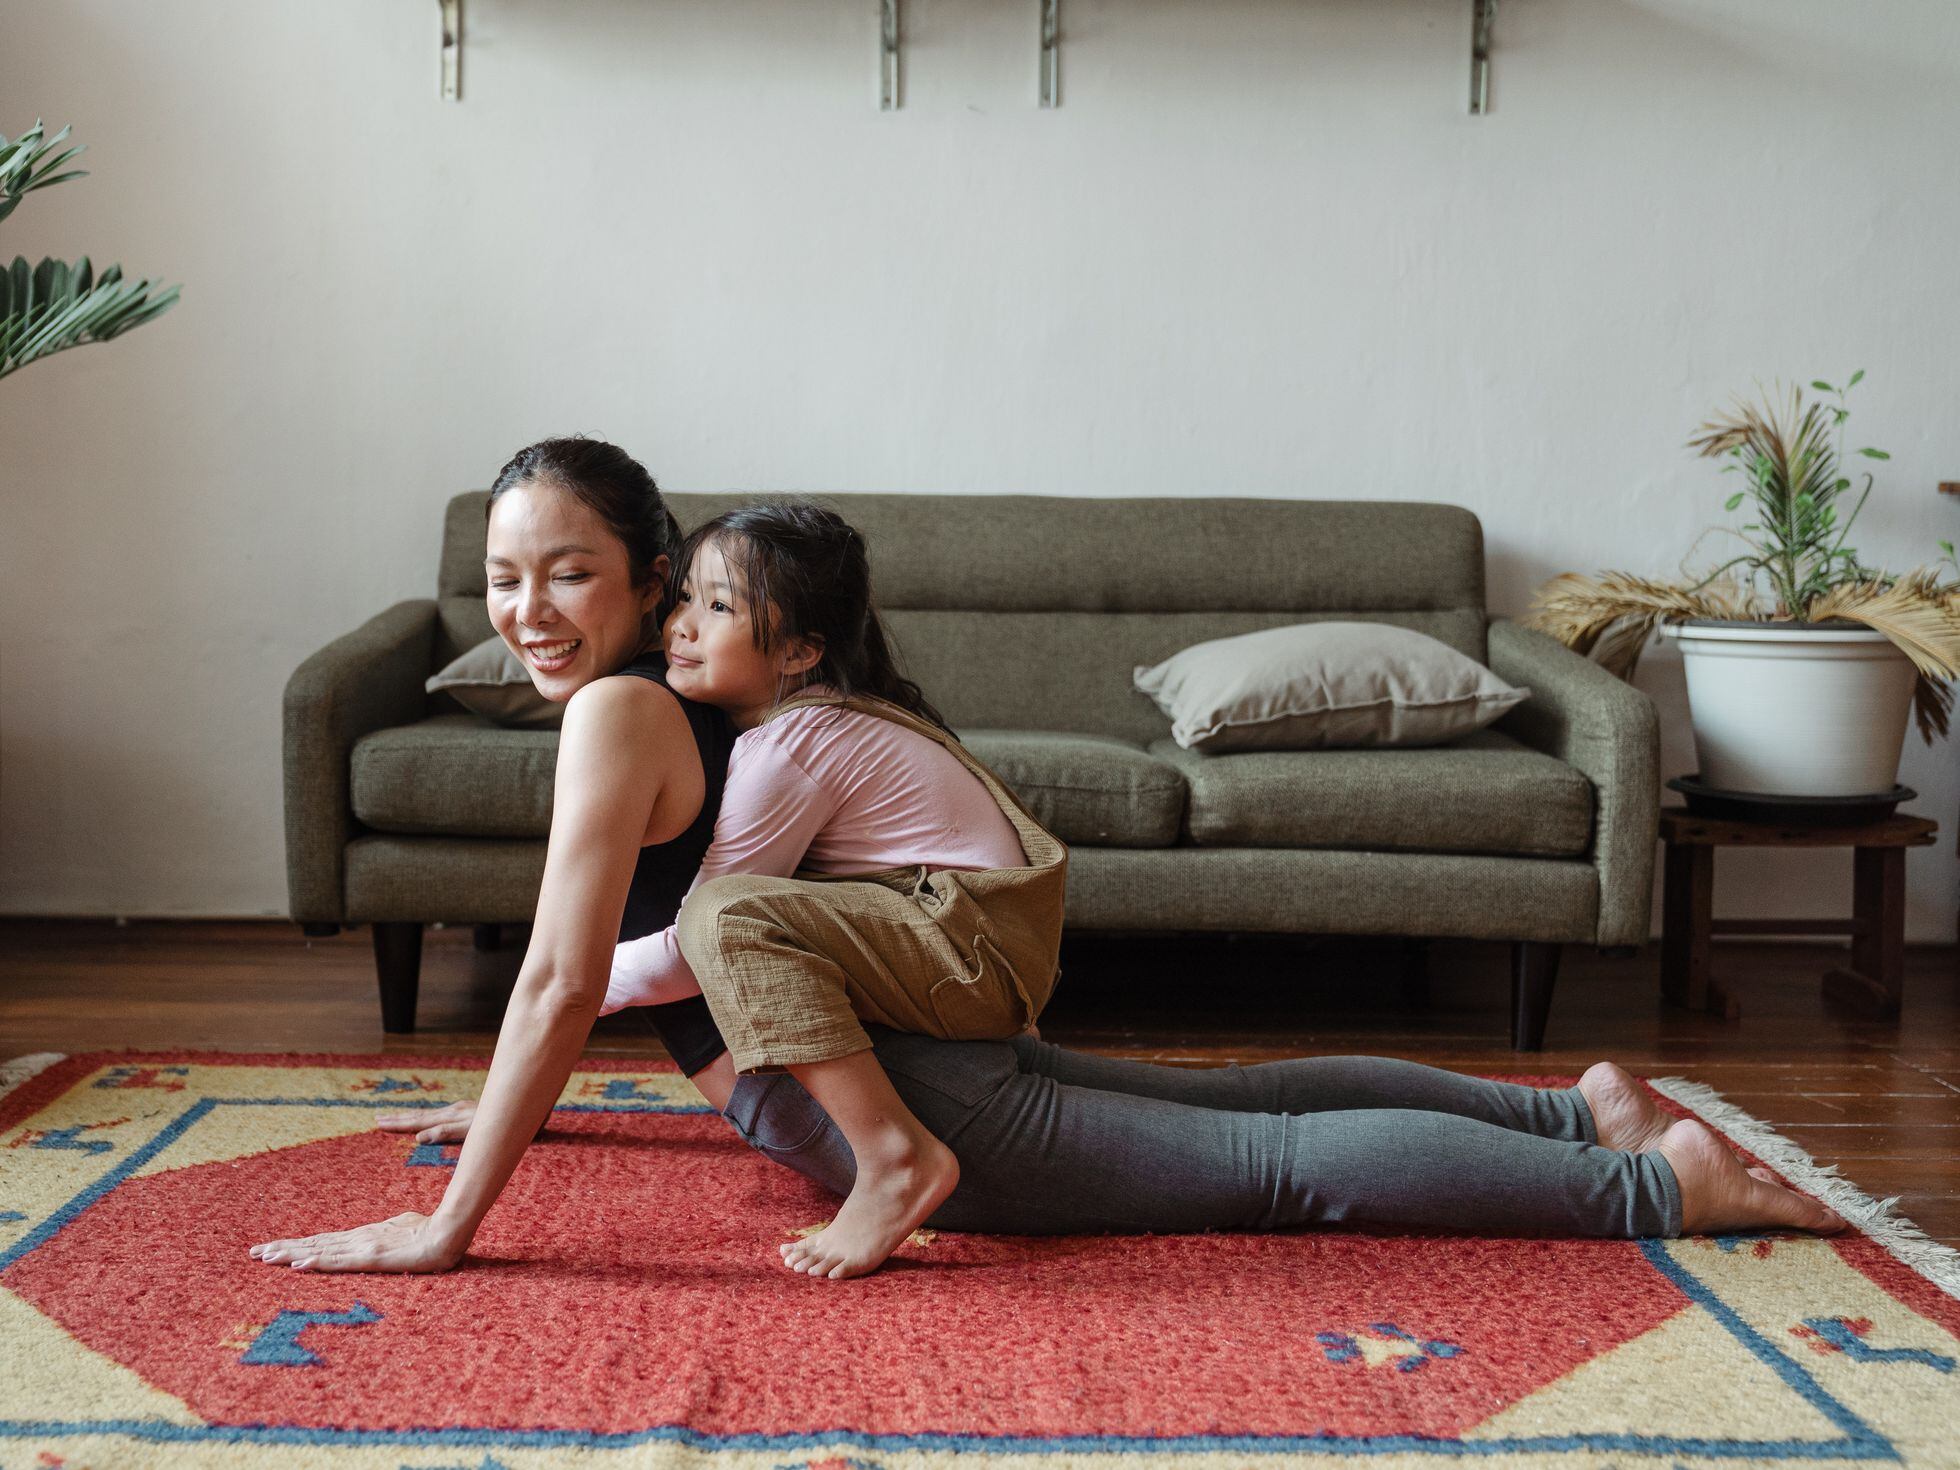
(1318,686)
(489,681)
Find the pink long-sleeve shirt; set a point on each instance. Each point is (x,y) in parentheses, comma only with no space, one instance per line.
(834,791)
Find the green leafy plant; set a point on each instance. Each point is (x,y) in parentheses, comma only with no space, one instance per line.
(1795,565)
(1791,454)
(55,305)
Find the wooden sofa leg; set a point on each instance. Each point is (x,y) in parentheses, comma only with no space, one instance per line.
(398,965)
(1534,970)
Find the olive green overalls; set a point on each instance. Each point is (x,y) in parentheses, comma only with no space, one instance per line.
(790,966)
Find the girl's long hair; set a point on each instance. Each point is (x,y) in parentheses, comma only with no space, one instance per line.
(803,570)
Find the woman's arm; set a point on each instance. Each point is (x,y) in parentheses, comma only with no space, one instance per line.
(625,743)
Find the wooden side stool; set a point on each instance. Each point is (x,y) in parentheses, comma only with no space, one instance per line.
(1878,907)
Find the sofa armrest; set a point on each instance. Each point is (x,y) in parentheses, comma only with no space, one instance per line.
(367,680)
(1608,731)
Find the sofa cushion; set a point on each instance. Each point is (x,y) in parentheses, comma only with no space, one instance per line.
(1072,670)
(460,776)
(489,681)
(1485,793)
(456,775)
(1090,789)
(1322,686)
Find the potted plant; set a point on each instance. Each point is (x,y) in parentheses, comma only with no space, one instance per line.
(1802,661)
(52,306)
(48,307)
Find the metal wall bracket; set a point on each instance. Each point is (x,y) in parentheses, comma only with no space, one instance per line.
(1051,53)
(889,79)
(1481,14)
(452,49)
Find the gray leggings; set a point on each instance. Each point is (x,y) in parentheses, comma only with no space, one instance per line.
(1054,1142)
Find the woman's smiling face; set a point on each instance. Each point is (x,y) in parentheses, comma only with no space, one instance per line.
(561,592)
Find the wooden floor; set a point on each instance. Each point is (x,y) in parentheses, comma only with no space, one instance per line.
(1882,1100)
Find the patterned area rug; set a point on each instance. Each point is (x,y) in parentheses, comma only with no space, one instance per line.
(621,1308)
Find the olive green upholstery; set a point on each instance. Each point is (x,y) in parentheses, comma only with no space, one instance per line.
(1484,793)
(1087,789)
(1023,619)
(456,775)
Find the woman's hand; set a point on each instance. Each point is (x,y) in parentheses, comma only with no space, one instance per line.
(408,1242)
(431,1125)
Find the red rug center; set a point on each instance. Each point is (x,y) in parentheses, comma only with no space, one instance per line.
(628,1279)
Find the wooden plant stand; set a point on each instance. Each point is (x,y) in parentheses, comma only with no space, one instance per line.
(1878,907)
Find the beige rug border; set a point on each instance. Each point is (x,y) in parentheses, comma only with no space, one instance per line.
(1878,1218)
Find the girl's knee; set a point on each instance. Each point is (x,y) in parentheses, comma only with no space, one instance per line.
(701,926)
(697,928)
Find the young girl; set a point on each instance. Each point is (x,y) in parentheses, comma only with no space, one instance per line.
(930,900)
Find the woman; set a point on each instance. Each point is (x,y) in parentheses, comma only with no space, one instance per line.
(578,549)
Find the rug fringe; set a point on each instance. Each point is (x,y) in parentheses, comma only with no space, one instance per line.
(23,1069)
(1878,1218)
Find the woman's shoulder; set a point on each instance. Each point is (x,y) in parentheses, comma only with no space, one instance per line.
(633,702)
(649,671)
(614,700)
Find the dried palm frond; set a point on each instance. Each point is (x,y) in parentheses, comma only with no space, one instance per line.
(1611,616)
(1912,612)
(1922,618)
(1618,649)
(1794,439)
(1932,708)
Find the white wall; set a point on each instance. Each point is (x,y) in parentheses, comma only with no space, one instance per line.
(1261,249)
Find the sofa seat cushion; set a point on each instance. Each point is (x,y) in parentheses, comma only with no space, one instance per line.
(460,776)
(1090,789)
(1485,793)
(455,775)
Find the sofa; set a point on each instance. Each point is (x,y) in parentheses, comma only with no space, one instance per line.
(1023,618)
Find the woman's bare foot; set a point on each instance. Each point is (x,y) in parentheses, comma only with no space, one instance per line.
(892,1198)
(1624,1115)
(1718,1194)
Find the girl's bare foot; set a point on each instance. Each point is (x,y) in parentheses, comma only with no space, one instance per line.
(1718,1194)
(892,1198)
(1624,1115)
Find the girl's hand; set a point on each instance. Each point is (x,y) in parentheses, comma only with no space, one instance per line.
(408,1242)
(430,1125)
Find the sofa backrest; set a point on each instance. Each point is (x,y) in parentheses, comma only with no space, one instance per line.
(1031,612)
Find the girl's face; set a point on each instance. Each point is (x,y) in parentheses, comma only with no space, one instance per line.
(561,592)
(710,642)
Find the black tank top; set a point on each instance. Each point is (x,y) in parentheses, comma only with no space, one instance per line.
(664,871)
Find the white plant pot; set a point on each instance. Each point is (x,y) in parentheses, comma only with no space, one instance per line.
(1794,709)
